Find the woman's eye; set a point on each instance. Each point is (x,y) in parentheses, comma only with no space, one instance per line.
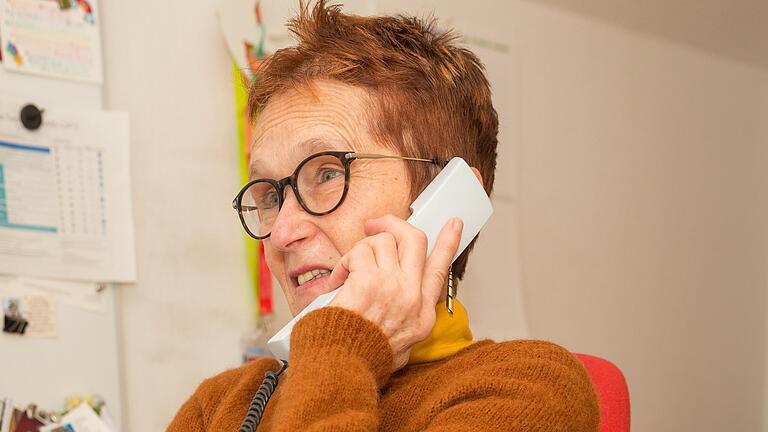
(269,200)
(329,174)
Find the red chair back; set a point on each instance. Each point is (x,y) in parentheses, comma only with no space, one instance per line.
(612,392)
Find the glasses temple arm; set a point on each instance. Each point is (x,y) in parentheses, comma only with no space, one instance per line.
(379,156)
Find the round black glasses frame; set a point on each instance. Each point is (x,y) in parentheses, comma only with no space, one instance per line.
(345,157)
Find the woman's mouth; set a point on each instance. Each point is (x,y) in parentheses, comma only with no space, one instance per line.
(311,275)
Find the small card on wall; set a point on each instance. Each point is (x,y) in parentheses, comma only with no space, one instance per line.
(31,315)
(50,38)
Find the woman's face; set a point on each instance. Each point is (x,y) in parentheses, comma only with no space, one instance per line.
(294,125)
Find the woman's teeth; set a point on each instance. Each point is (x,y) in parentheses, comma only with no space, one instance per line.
(312,274)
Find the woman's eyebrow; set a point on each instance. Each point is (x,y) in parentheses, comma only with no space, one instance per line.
(253,169)
(314,145)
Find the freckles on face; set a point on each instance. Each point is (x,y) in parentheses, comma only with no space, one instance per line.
(298,123)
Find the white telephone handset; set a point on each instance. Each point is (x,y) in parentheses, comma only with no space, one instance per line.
(455,192)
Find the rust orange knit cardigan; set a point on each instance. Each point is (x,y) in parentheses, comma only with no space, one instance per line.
(340,379)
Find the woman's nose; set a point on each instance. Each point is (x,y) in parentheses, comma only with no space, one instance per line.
(292,224)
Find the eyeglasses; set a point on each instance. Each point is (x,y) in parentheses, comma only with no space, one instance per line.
(320,184)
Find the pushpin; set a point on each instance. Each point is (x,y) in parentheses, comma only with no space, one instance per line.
(31,117)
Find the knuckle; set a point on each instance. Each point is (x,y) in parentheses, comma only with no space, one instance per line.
(357,248)
(439,275)
(420,238)
(384,238)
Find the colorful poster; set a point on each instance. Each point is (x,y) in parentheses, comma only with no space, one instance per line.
(59,39)
(253,248)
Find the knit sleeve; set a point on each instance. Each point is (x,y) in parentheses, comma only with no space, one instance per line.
(338,363)
(520,386)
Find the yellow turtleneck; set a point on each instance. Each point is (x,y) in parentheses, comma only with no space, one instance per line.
(450,334)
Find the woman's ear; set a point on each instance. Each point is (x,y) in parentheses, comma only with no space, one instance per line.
(478,175)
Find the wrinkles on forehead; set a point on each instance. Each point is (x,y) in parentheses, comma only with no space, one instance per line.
(309,119)
(310,146)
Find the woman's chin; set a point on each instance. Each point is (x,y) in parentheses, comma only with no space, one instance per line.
(308,291)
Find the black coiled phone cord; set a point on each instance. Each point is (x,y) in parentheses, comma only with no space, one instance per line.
(260,399)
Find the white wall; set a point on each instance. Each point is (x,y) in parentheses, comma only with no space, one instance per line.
(167,65)
(638,189)
(641,215)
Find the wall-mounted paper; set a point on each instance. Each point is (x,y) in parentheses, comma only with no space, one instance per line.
(40,312)
(65,209)
(40,37)
(37,310)
(83,295)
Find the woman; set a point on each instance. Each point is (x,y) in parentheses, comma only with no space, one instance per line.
(387,354)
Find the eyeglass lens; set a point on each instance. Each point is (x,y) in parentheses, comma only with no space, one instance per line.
(320,183)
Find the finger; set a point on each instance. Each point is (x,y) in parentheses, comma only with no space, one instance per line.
(338,275)
(411,241)
(384,250)
(439,261)
(359,258)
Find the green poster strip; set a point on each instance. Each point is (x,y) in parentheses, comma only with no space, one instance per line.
(241,111)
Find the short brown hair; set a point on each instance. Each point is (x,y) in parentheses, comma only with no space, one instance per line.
(430,96)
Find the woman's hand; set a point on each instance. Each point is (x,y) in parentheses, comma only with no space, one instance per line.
(388,279)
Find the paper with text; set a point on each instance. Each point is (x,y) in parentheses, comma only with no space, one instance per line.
(65,208)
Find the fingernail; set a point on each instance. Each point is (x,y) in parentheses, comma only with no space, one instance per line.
(456,224)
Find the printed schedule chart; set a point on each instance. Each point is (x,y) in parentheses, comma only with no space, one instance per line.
(27,200)
(72,203)
(65,198)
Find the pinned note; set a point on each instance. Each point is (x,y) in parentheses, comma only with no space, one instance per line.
(30,315)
